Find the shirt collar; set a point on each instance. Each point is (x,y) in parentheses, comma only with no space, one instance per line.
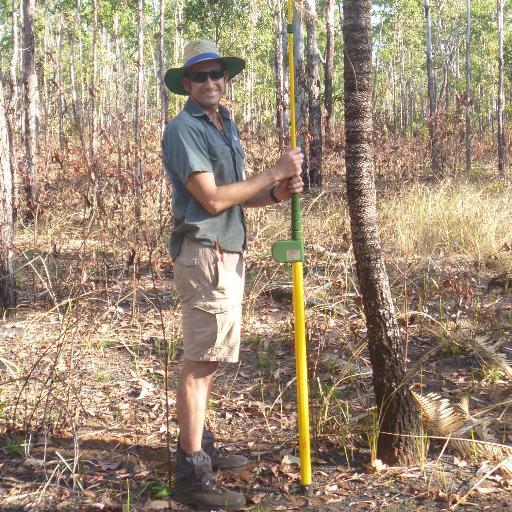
(194,109)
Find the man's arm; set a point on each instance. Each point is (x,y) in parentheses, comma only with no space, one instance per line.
(282,191)
(215,199)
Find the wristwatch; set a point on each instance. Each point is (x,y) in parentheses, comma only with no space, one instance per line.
(273,195)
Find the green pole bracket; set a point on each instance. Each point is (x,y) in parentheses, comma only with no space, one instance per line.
(290,28)
(288,251)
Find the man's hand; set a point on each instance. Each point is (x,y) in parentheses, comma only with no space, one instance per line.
(286,188)
(288,165)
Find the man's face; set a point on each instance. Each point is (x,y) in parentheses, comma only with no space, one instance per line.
(208,93)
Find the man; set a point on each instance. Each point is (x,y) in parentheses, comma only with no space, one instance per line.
(204,160)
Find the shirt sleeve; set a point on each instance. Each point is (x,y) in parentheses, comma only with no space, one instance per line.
(186,151)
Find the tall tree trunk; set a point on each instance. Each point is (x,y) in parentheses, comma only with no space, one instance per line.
(164,99)
(468,86)
(31,111)
(15,49)
(501,91)
(286,78)
(432,121)
(315,112)
(60,89)
(301,98)
(279,78)
(398,417)
(7,289)
(328,72)
(138,110)
(12,107)
(403,97)
(95,178)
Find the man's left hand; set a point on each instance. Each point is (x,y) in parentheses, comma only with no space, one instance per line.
(286,188)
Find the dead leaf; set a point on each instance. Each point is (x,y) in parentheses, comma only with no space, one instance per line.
(459,462)
(375,466)
(256,499)
(157,505)
(290,459)
(486,490)
(335,500)
(106,465)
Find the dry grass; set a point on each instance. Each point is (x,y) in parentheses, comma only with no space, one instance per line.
(85,351)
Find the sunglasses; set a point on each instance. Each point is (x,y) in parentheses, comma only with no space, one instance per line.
(200,77)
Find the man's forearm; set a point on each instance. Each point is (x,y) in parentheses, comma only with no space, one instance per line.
(262,199)
(254,191)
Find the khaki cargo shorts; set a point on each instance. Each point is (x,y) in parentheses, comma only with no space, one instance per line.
(211,287)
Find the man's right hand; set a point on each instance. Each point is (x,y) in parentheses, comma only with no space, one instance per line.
(290,164)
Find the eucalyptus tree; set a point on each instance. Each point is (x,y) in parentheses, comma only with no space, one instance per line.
(138,110)
(31,111)
(301,98)
(164,99)
(279,76)
(7,290)
(13,69)
(397,415)
(432,100)
(313,86)
(95,169)
(468,134)
(328,71)
(501,90)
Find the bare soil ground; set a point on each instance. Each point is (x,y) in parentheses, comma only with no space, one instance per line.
(83,402)
(83,397)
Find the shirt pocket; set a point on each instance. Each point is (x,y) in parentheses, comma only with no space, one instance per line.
(222,164)
(219,152)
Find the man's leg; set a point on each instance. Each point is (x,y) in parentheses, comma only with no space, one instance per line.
(194,482)
(192,401)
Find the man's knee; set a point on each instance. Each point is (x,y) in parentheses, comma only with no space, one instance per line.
(199,369)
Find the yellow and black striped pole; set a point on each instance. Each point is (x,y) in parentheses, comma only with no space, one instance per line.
(292,251)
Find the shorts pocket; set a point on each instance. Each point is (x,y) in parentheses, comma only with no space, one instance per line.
(216,331)
(185,279)
(222,277)
(214,307)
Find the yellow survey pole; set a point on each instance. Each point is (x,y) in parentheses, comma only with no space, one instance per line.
(298,293)
(292,251)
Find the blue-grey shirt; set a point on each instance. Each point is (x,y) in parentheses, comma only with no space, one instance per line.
(192,143)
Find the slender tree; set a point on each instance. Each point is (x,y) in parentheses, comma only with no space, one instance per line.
(468,87)
(31,110)
(12,104)
(314,109)
(164,98)
(501,91)
(137,181)
(15,54)
(432,120)
(7,290)
(95,169)
(328,71)
(279,77)
(398,416)
(301,98)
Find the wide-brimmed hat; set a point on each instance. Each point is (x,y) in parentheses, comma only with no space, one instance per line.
(200,51)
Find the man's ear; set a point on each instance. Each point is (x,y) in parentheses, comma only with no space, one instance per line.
(185,82)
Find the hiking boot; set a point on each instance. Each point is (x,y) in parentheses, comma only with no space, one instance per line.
(209,495)
(219,457)
(195,485)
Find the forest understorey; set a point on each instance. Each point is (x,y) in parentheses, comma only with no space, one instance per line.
(83,387)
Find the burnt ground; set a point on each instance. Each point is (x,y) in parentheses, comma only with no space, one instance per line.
(84,409)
